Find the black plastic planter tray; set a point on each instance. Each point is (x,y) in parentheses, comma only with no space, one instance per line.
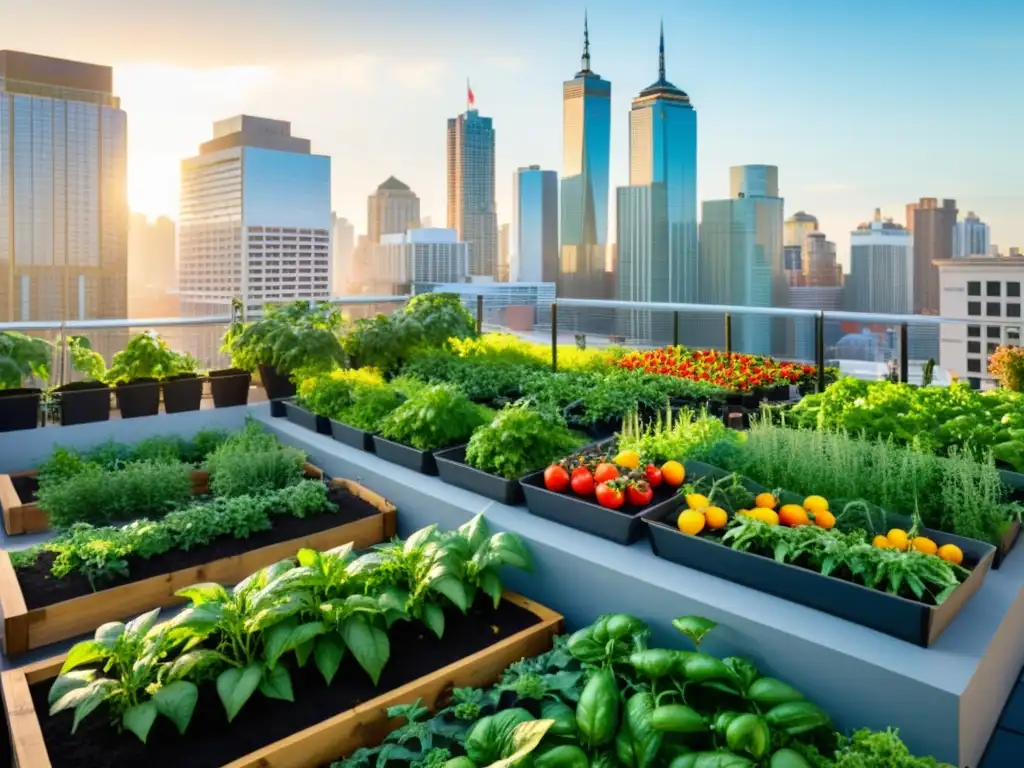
(404,456)
(1015,480)
(357,438)
(454,470)
(623,526)
(897,616)
(304,418)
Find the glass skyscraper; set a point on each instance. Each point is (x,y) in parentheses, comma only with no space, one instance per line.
(535,226)
(472,211)
(63,191)
(657,212)
(586,149)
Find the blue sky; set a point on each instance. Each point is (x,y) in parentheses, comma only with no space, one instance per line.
(860,104)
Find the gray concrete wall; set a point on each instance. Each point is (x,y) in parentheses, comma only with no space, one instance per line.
(945,700)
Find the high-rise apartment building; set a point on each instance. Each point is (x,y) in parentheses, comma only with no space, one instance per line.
(986,291)
(932,226)
(741,256)
(657,212)
(818,261)
(971,237)
(535,226)
(881,278)
(795,231)
(393,209)
(152,268)
(472,211)
(63,191)
(420,258)
(255,219)
(343,246)
(586,153)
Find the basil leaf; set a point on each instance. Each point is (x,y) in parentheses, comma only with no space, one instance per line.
(177,701)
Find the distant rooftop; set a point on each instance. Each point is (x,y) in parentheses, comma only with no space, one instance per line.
(803,217)
(394,184)
(59,73)
(258,132)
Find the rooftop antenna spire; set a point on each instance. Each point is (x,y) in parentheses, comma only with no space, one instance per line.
(585,62)
(661,54)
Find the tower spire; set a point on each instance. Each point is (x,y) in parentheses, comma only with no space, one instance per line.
(661,54)
(585,61)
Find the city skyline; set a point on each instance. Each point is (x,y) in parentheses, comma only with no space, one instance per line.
(811,119)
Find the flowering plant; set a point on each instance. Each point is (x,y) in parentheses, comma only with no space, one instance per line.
(732,371)
(1007,365)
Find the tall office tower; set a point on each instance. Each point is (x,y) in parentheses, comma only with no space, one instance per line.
(881,278)
(472,212)
(414,261)
(933,226)
(818,260)
(794,233)
(971,237)
(255,219)
(392,209)
(504,253)
(586,152)
(741,256)
(343,246)
(152,268)
(535,226)
(657,212)
(63,192)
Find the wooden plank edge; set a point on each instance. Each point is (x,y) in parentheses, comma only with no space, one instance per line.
(26,626)
(10,501)
(28,749)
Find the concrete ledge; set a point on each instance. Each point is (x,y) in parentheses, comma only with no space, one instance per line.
(945,700)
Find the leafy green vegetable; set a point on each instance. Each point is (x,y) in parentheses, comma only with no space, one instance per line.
(519,441)
(438,417)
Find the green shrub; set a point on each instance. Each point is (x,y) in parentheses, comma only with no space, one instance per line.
(253,461)
(437,417)
(520,440)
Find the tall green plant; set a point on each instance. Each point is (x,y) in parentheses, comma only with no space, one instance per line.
(437,417)
(302,335)
(145,356)
(23,356)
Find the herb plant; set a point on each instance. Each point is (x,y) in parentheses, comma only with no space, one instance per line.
(252,461)
(358,398)
(518,441)
(302,335)
(145,356)
(673,436)
(22,357)
(437,417)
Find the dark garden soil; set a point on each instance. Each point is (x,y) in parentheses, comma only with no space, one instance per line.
(41,589)
(26,486)
(210,741)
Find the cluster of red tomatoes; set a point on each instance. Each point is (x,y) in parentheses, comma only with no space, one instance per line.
(731,371)
(611,485)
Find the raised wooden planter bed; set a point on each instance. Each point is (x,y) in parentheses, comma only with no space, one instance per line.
(26,517)
(25,629)
(366,724)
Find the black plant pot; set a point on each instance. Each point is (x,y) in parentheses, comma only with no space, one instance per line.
(405,456)
(83,402)
(452,466)
(277,385)
(19,409)
(183,393)
(229,387)
(306,419)
(356,438)
(139,397)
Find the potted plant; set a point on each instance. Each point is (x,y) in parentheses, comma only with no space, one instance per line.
(183,388)
(136,372)
(86,401)
(21,357)
(302,335)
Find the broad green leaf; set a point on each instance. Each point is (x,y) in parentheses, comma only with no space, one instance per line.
(177,701)
(208,592)
(393,599)
(97,692)
(277,684)
(476,532)
(199,619)
(510,550)
(328,653)
(419,538)
(282,585)
(78,678)
(139,719)
(454,590)
(340,553)
(192,662)
(694,627)
(491,585)
(368,643)
(140,625)
(236,686)
(278,612)
(433,617)
(525,738)
(85,652)
(303,651)
(107,634)
(287,636)
(364,563)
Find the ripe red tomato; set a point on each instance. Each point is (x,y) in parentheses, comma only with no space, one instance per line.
(605,472)
(583,483)
(581,469)
(653,475)
(556,478)
(639,494)
(609,496)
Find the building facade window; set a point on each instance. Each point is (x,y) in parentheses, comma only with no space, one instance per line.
(973,365)
(1013,309)
(973,308)
(993,309)
(974,382)
(992,288)
(974,347)
(1013,290)
(993,332)
(974,331)
(974,288)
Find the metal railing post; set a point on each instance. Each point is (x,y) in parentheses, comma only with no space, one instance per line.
(728,333)
(554,336)
(479,313)
(904,353)
(675,328)
(819,351)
